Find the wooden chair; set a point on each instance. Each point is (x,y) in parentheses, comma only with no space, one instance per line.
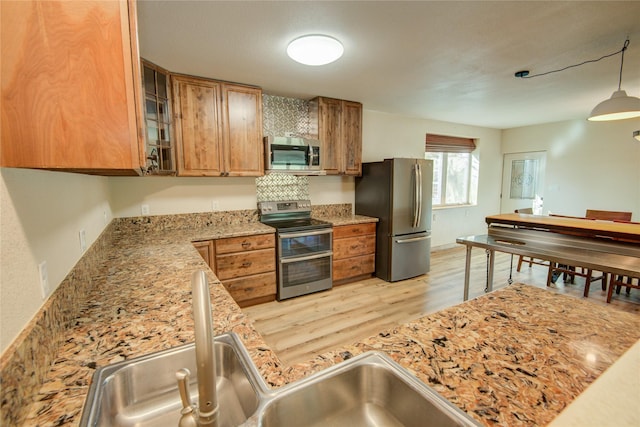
(608,215)
(525,259)
(572,271)
(618,282)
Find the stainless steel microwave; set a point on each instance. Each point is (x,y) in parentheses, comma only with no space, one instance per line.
(293,155)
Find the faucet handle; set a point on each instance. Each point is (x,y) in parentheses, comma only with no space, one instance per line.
(188,417)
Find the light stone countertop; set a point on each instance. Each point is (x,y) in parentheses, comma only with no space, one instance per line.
(516,356)
(347,220)
(611,400)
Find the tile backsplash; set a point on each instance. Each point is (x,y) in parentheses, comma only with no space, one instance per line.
(281,116)
(276,187)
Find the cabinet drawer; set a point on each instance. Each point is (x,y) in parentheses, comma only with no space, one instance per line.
(229,266)
(354,230)
(354,246)
(244,243)
(352,267)
(251,287)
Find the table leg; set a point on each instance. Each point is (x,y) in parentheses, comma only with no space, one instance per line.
(491,260)
(467,272)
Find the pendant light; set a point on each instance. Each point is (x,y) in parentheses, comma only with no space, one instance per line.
(315,49)
(620,105)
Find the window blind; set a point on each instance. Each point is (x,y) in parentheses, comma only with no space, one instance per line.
(449,144)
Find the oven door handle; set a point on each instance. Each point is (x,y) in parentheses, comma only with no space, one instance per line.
(304,233)
(306,258)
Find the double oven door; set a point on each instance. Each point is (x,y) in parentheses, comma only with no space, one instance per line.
(304,262)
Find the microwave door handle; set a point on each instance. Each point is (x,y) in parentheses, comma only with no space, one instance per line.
(311,155)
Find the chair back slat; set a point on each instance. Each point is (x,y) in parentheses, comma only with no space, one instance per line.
(608,215)
(524,210)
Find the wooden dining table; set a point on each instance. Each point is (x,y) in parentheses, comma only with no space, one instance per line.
(593,228)
(613,247)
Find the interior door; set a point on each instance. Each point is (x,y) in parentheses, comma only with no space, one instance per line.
(522,180)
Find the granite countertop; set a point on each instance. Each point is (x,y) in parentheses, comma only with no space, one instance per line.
(338,220)
(517,356)
(143,306)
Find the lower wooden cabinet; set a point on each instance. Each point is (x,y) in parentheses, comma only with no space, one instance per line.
(246,266)
(206,251)
(354,248)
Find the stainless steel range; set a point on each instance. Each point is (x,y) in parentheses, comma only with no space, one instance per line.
(304,254)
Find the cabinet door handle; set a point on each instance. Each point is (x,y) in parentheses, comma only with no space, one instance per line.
(246,264)
(245,245)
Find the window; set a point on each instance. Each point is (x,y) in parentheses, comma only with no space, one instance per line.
(456,169)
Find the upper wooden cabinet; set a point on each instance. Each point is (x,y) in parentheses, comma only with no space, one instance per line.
(157,119)
(71,87)
(218,128)
(197,126)
(340,130)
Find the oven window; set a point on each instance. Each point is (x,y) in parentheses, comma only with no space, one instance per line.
(288,155)
(304,245)
(308,271)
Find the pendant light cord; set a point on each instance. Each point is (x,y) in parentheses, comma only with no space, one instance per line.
(624,47)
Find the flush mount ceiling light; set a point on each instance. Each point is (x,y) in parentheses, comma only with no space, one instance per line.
(619,106)
(315,49)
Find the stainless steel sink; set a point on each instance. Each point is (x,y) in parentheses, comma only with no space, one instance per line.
(143,391)
(369,390)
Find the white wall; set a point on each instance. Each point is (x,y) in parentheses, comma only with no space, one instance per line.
(589,165)
(388,135)
(41,215)
(171,195)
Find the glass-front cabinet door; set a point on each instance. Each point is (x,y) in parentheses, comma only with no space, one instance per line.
(157,105)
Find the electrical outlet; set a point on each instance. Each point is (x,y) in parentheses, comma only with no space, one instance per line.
(104,217)
(433,218)
(83,241)
(215,205)
(44,279)
(144,209)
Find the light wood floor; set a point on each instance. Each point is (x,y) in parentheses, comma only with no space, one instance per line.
(301,328)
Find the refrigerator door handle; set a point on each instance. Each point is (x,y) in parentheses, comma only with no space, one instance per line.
(419,193)
(414,239)
(416,186)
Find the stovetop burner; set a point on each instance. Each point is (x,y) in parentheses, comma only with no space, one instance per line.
(290,215)
(301,224)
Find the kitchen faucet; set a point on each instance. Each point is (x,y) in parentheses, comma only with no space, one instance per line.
(205,414)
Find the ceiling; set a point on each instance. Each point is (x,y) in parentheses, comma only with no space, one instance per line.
(449,60)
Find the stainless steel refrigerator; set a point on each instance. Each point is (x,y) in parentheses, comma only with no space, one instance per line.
(398,193)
